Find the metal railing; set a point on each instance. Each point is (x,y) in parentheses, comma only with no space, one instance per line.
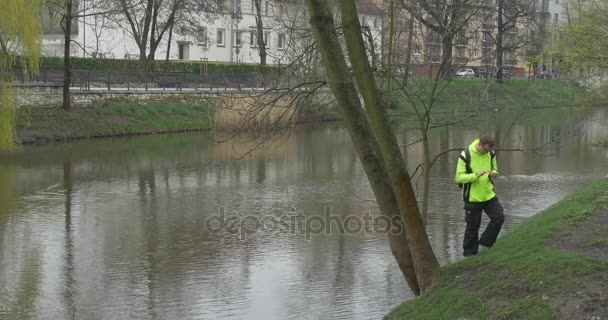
(88,80)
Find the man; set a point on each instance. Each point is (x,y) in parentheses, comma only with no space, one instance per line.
(475,171)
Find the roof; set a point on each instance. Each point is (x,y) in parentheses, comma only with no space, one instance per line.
(369,7)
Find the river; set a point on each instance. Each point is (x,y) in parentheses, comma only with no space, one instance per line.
(129,228)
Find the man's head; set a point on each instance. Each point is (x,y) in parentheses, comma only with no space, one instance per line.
(486,143)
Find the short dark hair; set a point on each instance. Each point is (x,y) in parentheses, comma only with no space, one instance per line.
(488,140)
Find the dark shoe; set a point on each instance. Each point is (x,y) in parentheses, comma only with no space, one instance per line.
(486,245)
(469,254)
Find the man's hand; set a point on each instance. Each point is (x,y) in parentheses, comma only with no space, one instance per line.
(481,173)
(494,174)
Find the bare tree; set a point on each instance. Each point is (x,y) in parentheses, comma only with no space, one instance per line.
(444,19)
(68,12)
(148,21)
(372,136)
(261,43)
(509,14)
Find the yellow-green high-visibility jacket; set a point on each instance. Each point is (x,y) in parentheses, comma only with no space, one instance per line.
(476,189)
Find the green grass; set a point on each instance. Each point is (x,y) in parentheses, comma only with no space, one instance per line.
(519,275)
(461,97)
(48,124)
(598,243)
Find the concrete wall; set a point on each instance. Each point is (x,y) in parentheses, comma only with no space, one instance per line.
(40,96)
(233,110)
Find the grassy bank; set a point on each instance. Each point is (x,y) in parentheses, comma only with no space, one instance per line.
(39,125)
(460,98)
(471,93)
(555,266)
(465,97)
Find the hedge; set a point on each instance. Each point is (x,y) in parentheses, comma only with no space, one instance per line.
(171,66)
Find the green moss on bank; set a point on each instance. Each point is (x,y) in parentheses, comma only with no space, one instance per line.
(520,277)
(55,124)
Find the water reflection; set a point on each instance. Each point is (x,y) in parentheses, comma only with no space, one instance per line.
(114,229)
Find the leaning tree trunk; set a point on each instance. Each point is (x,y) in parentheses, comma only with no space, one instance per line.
(425,262)
(362,136)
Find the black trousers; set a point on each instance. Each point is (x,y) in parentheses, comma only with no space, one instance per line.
(473,210)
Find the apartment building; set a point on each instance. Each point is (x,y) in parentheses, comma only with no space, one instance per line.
(473,47)
(229,36)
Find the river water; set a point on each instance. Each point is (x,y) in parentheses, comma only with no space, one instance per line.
(121,229)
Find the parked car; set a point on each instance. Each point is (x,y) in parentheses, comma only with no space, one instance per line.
(506,74)
(481,72)
(465,73)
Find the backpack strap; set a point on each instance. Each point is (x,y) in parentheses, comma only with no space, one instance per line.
(467,160)
(466,187)
(492,156)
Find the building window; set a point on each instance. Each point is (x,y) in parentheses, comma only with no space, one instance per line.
(253,38)
(460,52)
(202,36)
(237,6)
(474,54)
(433,50)
(266,7)
(281,41)
(376,23)
(487,36)
(183,51)
(555,18)
(253,7)
(237,38)
(417,30)
(487,53)
(267,39)
(220,37)
(416,50)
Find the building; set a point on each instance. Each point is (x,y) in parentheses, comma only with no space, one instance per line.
(549,14)
(473,47)
(227,36)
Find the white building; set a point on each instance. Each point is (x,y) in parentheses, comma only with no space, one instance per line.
(229,37)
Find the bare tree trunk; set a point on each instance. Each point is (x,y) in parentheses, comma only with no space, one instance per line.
(169,43)
(425,262)
(499,42)
(391,35)
(359,129)
(408,54)
(372,48)
(446,69)
(67,68)
(426,155)
(260,32)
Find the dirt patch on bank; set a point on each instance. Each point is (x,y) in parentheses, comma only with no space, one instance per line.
(588,235)
(589,302)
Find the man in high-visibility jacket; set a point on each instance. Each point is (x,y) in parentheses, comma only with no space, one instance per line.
(475,171)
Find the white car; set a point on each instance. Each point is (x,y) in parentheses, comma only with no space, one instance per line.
(465,73)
